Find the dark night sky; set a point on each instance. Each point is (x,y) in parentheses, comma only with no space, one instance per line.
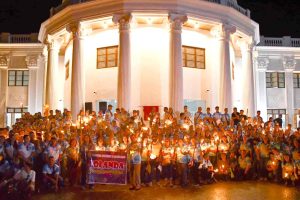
(276,17)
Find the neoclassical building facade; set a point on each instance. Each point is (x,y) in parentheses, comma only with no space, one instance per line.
(137,54)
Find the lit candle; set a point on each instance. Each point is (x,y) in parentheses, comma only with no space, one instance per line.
(152,156)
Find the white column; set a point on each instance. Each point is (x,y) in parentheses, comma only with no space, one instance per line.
(4,61)
(78,73)
(225,90)
(31,62)
(289,64)
(261,67)
(124,70)
(52,68)
(176,71)
(40,83)
(248,74)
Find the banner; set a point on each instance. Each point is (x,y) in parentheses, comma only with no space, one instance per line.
(107,168)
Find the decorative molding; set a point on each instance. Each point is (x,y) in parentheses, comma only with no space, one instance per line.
(289,63)
(31,61)
(123,20)
(262,63)
(176,21)
(223,31)
(4,61)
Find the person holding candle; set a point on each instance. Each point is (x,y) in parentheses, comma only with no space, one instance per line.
(262,153)
(244,166)
(182,159)
(223,168)
(135,160)
(288,170)
(167,154)
(206,170)
(155,159)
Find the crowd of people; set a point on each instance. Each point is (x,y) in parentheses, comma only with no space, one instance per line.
(47,152)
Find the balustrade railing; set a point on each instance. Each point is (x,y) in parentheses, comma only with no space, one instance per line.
(230,3)
(19,38)
(285,41)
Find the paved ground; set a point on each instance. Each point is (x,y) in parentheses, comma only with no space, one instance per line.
(218,191)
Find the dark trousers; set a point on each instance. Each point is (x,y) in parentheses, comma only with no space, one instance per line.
(145,175)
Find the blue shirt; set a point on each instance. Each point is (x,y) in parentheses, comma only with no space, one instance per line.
(51,170)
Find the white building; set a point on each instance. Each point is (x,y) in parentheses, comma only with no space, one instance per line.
(140,53)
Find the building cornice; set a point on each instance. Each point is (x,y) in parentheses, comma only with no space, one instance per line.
(197,9)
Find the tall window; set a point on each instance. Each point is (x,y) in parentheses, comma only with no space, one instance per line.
(107,57)
(193,57)
(18,77)
(296,80)
(275,79)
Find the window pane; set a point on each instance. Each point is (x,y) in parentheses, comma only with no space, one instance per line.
(10,110)
(26,73)
(25,83)
(26,78)
(190,51)
(19,78)
(268,75)
(18,110)
(200,52)
(190,64)
(200,65)
(11,78)
(19,83)
(25,109)
(281,85)
(111,64)
(12,73)
(101,58)
(269,85)
(111,57)
(19,73)
(101,64)
(190,57)
(101,51)
(11,83)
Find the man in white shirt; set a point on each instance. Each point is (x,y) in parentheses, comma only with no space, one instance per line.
(24,180)
(26,149)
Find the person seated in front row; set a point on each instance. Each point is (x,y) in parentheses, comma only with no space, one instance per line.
(22,184)
(51,175)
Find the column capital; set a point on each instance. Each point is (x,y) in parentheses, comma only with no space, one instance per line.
(123,20)
(77,30)
(53,43)
(289,63)
(31,61)
(4,61)
(176,21)
(262,63)
(223,31)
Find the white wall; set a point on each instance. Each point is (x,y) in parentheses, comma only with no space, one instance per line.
(201,84)
(101,81)
(17,95)
(276,98)
(150,67)
(297,98)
